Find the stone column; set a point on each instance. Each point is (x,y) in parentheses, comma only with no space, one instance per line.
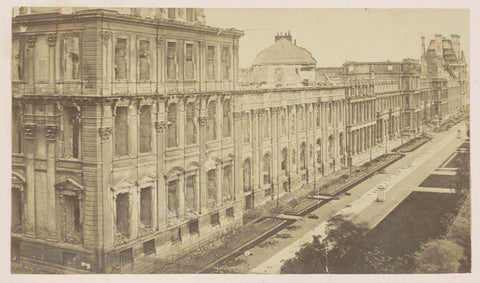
(219,177)
(107,60)
(105,134)
(50,132)
(161,186)
(52,42)
(238,145)
(181,196)
(132,123)
(202,122)
(201,65)
(30,219)
(161,87)
(235,66)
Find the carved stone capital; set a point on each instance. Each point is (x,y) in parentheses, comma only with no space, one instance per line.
(31,40)
(105,133)
(237,116)
(160,41)
(235,49)
(52,39)
(29,130)
(160,126)
(202,121)
(201,44)
(105,35)
(50,131)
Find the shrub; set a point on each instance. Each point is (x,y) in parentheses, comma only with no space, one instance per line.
(438,256)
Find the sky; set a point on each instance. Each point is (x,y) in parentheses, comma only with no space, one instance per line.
(334,36)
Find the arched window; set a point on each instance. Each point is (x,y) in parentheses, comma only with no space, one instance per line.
(284,161)
(247,176)
(190,127)
(226,119)
(302,156)
(266,168)
(172,127)
(211,121)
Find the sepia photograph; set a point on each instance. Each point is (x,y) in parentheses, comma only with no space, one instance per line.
(186,140)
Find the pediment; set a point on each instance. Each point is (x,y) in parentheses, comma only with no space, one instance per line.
(69,185)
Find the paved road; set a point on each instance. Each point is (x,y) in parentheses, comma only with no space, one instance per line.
(403,176)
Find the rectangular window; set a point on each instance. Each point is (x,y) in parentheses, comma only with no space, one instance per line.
(121,59)
(172,201)
(146,129)
(211,63)
(193,227)
(227,183)
(246,128)
(172,61)
(190,196)
(71,58)
(126,256)
(121,131)
(146,207)
(211,188)
(144,60)
(149,247)
(176,235)
(230,212)
(41,60)
(215,219)
(71,212)
(226,63)
(189,62)
(123,214)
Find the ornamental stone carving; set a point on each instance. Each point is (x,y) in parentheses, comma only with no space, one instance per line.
(31,40)
(105,35)
(105,133)
(50,131)
(160,41)
(29,130)
(52,39)
(202,121)
(160,126)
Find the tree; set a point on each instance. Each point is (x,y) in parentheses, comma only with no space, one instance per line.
(438,256)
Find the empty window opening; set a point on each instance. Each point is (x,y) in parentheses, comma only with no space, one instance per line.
(72,223)
(176,235)
(211,121)
(71,132)
(172,127)
(189,62)
(211,63)
(123,214)
(212,188)
(190,196)
(266,169)
(146,207)
(284,161)
(225,63)
(246,128)
(247,176)
(230,213)
(172,61)
(17,60)
(126,256)
(17,211)
(190,127)
(149,247)
(193,227)
(71,59)
(146,129)
(144,60)
(227,120)
(215,219)
(121,59)
(227,184)
(173,208)
(121,131)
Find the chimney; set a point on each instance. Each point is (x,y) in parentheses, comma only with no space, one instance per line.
(456,44)
(286,35)
(423,45)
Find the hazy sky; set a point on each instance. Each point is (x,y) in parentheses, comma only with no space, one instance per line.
(338,35)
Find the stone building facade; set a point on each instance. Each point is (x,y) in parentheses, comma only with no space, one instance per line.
(131,137)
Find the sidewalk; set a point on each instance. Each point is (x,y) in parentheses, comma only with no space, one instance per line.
(360,204)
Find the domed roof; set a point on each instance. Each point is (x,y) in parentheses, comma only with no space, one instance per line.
(284,52)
